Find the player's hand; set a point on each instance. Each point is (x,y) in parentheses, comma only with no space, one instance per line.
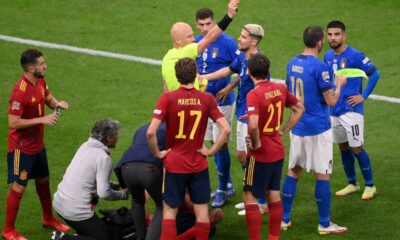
(248,142)
(354,100)
(125,190)
(50,119)
(340,80)
(62,105)
(205,151)
(223,94)
(163,153)
(232,8)
(200,78)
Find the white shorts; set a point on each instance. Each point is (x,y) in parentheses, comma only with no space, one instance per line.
(241,134)
(348,127)
(213,130)
(312,152)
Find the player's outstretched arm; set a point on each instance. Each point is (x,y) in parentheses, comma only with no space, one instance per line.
(221,73)
(217,30)
(297,112)
(225,130)
(331,96)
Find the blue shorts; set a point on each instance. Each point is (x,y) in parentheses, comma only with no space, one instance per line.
(176,184)
(22,167)
(260,177)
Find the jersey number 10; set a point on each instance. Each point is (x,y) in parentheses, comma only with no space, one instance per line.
(297,88)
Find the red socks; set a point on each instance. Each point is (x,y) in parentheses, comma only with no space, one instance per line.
(253,221)
(168,229)
(202,230)
(275,219)
(43,191)
(188,234)
(13,199)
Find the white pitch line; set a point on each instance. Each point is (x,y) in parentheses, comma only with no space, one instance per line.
(130,58)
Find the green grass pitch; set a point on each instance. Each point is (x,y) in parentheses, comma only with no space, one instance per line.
(99,87)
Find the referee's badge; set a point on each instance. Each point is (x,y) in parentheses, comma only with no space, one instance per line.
(214,52)
(343,63)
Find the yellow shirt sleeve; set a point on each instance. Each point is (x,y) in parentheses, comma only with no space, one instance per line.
(168,64)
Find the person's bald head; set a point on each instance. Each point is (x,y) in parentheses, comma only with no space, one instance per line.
(181,34)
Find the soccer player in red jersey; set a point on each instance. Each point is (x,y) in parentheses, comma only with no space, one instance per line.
(265,107)
(185,112)
(26,151)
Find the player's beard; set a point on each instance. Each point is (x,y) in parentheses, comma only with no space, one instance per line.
(38,74)
(335,45)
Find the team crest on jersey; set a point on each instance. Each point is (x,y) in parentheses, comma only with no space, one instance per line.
(343,63)
(214,52)
(15,105)
(23,175)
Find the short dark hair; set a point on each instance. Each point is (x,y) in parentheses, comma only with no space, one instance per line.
(204,13)
(29,57)
(336,24)
(312,35)
(186,70)
(259,66)
(103,129)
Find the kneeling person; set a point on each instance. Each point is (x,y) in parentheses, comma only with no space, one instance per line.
(88,175)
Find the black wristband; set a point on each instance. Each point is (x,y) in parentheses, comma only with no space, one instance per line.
(224,23)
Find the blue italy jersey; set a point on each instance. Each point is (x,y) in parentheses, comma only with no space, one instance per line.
(217,55)
(307,78)
(350,58)
(239,66)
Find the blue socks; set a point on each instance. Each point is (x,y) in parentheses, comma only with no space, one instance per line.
(365,165)
(366,169)
(288,193)
(323,200)
(348,165)
(223,162)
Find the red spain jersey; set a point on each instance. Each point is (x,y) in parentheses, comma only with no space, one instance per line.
(185,112)
(27,101)
(268,100)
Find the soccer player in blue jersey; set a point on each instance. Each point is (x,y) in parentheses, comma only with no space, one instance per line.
(347,114)
(217,55)
(311,146)
(249,38)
